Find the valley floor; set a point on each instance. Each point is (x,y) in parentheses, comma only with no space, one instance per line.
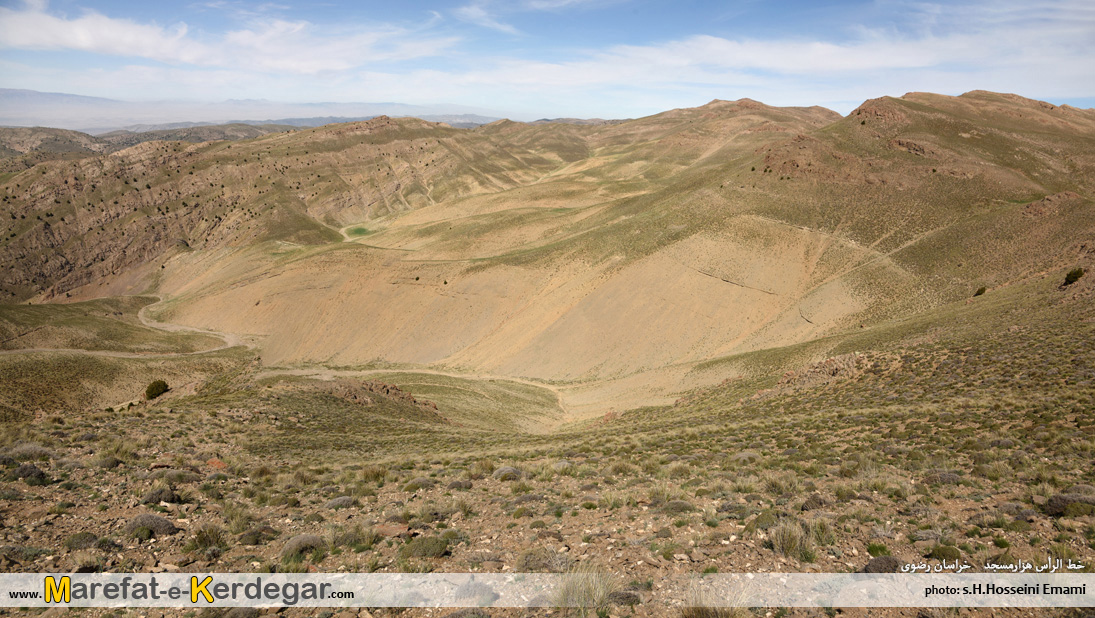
(966,435)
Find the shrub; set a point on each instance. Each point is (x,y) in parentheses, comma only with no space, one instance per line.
(147,525)
(1074,275)
(542,560)
(210,540)
(29,452)
(944,552)
(81,540)
(877,549)
(258,535)
(417,484)
(425,547)
(374,474)
(296,547)
(586,588)
(981,290)
(507,473)
(355,536)
(789,539)
(155,389)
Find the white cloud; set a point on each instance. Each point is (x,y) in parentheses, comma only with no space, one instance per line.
(266,44)
(551,5)
(478,15)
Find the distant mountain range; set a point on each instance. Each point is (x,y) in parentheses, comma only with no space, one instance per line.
(95,115)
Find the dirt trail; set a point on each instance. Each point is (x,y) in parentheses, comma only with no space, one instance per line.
(231,340)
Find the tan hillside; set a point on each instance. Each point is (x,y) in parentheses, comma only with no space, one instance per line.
(569,252)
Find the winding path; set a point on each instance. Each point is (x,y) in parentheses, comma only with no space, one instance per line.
(230,340)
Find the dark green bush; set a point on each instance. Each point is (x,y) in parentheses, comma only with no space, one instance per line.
(981,290)
(1073,276)
(425,547)
(155,389)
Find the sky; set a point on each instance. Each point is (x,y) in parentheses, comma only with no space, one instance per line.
(529,59)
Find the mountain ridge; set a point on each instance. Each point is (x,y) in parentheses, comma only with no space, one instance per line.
(569,252)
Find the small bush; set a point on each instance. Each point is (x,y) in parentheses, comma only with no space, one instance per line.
(355,536)
(147,525)
(586,588)
(417,484)
(155,389)
(296,547)
(374,474)
(1074,275)
(877,549)
(209,540)
(425,547)
(258,535)
(981,290)
(542,560)
(789,539)
(944,552)
(29,452)
(81,540)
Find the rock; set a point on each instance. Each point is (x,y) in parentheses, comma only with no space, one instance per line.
(882,564)
(242,612)
(507,473)
(391,529)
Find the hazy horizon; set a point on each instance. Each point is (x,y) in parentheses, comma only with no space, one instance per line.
(548,58)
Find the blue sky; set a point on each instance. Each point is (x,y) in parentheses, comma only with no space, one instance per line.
(529,59)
